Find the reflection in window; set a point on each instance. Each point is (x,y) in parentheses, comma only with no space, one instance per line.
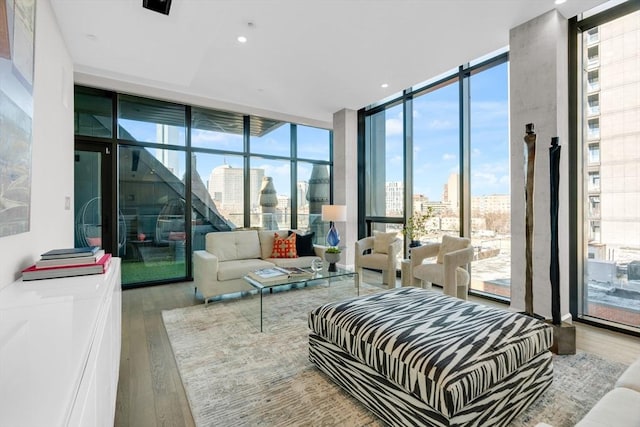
(313,143)
(217,185)
(313,188)
(384,174)
(93,113)
(270,137)
(270,194)
(218,130)
(151,200)
(148,120)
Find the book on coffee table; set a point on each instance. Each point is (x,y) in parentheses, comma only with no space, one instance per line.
(272,274)
(296,272)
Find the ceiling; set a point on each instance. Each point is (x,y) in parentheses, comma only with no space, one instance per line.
(304,59)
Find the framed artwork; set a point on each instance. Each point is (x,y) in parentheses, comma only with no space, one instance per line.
(17,40)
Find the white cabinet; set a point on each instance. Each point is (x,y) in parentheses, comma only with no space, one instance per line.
(60,350)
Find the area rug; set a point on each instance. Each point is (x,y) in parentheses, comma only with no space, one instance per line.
(234,375)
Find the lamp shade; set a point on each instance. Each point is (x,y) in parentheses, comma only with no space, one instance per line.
(334,213)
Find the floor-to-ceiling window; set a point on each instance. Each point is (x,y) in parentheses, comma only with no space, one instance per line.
(490,202)
(608,95)
(384,179)
(441,149)
(436,159)
(181,172)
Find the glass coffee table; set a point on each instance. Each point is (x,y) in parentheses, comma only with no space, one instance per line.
(303,280)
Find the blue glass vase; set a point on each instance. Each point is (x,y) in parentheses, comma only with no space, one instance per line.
(333,238)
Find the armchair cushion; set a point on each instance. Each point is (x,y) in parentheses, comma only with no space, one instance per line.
(434,273)
(381,241)
(451,244)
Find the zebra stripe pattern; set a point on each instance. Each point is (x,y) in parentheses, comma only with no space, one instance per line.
(442,351)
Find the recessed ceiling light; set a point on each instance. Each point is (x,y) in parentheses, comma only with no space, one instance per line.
(242,39)
(560,1)
(91,37)
(384,85)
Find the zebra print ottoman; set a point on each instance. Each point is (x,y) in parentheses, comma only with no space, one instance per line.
(417,357)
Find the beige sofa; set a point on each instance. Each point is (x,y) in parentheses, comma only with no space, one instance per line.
(230,255)
(620,407)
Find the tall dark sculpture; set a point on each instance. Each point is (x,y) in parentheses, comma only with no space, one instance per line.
(530,142)
(554,267)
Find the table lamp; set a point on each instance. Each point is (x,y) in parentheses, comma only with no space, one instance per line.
(333,213)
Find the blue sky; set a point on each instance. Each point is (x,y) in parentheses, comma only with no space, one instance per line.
(436,141)
(436,137)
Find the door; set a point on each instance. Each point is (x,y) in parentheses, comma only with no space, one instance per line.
(93,201)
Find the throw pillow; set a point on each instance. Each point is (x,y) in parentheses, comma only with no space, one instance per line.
(451,244)
(284,247)
(304,244)
(381,241)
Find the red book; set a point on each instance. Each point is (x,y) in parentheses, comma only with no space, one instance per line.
(35,273)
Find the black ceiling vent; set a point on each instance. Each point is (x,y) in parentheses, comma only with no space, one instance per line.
(160,6)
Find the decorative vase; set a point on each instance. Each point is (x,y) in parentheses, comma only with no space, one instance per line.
(415,243)
(141,237)
(332,258)
(333,238)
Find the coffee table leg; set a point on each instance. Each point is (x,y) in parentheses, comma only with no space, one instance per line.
(261,310)
(357,283)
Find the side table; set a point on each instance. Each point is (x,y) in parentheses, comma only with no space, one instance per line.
(405,272)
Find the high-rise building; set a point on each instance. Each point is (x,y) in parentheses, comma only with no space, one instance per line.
(450,192)
(611,117)
(227,190)
(395,198)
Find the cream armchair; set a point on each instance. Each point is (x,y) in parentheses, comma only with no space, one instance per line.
(384,248)
(449,270)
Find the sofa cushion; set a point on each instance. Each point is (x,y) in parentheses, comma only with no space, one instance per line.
(236,269)
(266,241)
(451,244)
(284,247)
(304,243)
(381,241)
(232,245)
(620,408)
(631,377)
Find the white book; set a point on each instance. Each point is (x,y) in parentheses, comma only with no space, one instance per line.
(70,261)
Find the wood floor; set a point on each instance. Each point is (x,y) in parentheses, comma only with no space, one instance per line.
(150,391)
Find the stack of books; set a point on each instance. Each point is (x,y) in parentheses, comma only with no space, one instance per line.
(279,274)
(68,262)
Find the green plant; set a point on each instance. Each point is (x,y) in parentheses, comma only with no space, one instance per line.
(417,224)
(332,250)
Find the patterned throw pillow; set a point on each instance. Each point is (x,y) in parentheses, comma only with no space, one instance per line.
(284,247)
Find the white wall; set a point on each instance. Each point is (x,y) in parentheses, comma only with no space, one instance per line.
(52,152)
(539,95)
(345,178)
